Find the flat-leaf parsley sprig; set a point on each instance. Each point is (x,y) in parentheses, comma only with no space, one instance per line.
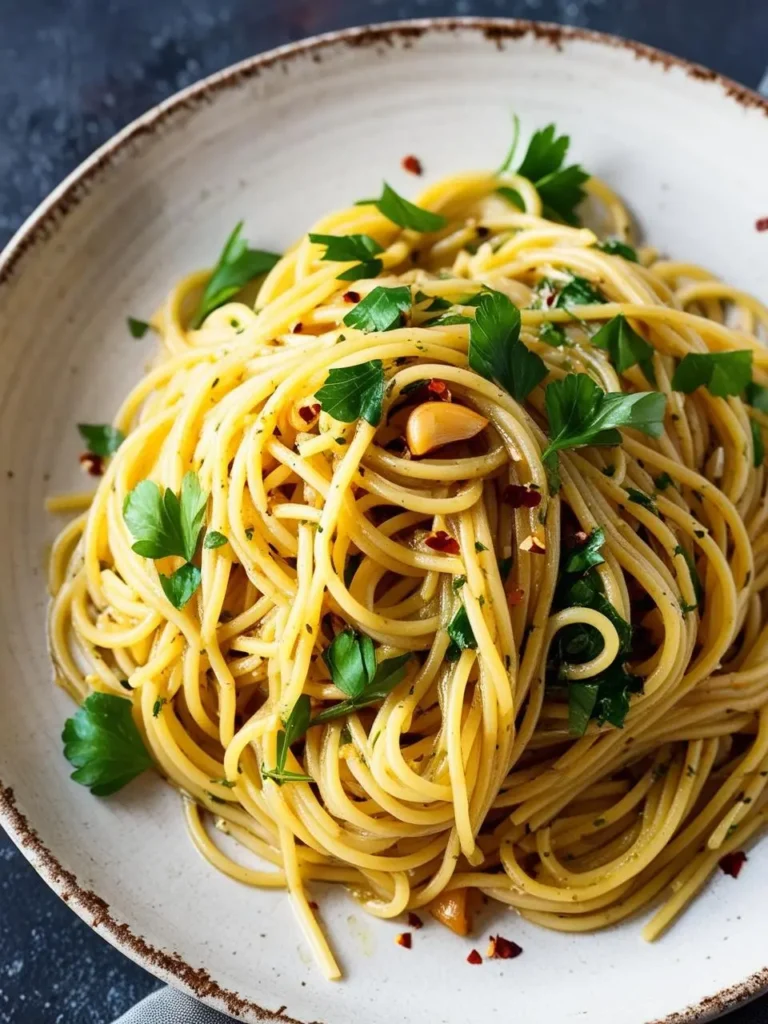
(163,524)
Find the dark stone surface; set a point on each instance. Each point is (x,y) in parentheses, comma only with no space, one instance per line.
(72,72)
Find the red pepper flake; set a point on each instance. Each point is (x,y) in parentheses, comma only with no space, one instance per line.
(351,296)
(412,164)
(474,957)
(579,537)
(515,596)
(298,328)
(414,921)
(439,388)
(732,863)
(404,940)
(312,905)
(521,497)
(500,948)
(92,464)
(442,541)
(309,412)
(762,224)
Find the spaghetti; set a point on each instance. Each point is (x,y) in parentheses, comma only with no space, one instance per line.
(574,753)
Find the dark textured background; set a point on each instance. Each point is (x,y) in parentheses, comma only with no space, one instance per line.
(74,71)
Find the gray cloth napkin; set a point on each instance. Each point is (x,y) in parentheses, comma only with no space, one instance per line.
(171,1007)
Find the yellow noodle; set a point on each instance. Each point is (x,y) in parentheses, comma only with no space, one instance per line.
(327,527)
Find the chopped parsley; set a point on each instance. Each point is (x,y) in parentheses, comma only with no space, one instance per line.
(163,525)
(580,413)
(625,347)
(238,264)
(214,539)
(615,247)
(293,729)
(360,249)
(496,351)
(722,373)
(406,214)
(351,660)
(354,392)
(560,188)
(462,637)
(138,328)
(381,310)
(101,438)
(103,744)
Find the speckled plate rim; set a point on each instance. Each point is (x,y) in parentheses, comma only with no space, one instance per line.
(41,226)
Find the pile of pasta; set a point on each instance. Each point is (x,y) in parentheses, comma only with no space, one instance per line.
(575,761)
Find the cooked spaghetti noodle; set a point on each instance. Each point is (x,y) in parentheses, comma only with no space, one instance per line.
(466,775)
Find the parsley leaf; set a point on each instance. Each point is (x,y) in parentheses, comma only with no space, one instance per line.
(163,525)
(380,310)
(348,248)
(625,347)
(756,396)
(577,292)
(722,373)
(407,215)
(615,247)
(354,392)
(293,729)
(758,444)
(587,554)
(236,267)
(552,335)
(663,481)
(351,660)
(580,413)
(582,698)
(181,584)
(641,498)
(101,438)
(138,328)
(462,637)
(214,539)
(560,188)
(495,349)
(102,742)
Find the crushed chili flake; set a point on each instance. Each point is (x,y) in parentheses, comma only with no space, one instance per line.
(500,948)
(404,940)
(412,164)
(439,388)
(521,497)
(298,328)
(308,412)
(732,863)
(762,224)
(414,921)
(515,596)
(351,296)
(92,464)
(312,905)
(474,957)
(442,541)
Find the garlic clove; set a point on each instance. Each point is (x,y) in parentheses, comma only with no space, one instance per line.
(435,424)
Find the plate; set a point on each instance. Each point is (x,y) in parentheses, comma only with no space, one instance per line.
(279,140)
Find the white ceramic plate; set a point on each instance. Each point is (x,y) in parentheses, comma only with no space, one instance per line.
(279,140)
